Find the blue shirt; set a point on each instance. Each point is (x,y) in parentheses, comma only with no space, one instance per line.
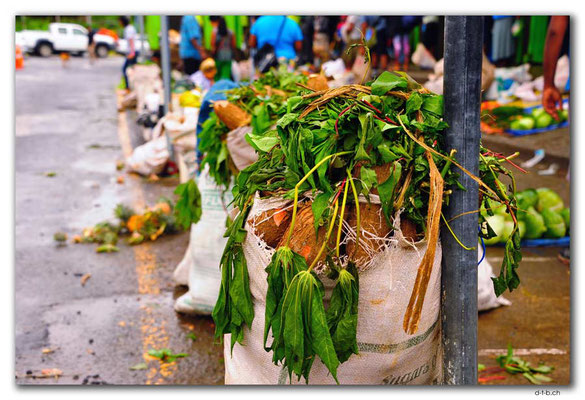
(266,31)
(189,30)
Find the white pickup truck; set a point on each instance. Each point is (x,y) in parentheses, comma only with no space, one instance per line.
(62,37)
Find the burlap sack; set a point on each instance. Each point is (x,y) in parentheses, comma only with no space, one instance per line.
(387,355)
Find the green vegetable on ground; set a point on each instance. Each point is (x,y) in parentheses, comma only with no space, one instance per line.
(548,200)
(555,224)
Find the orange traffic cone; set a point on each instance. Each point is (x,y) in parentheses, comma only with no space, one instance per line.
(19,58)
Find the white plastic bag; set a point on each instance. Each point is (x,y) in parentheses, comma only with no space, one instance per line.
(423,57)
(240,150)
(151,157)
(486,296)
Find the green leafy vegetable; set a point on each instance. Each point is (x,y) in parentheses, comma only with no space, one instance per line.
(188,207)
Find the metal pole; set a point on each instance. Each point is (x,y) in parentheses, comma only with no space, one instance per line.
(462,95)
(141,56)
(165,61)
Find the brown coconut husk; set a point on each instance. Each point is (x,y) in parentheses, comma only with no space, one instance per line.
(231,115)
(303,240)
(373,221)
(413,311)
(271,225)
(317,82)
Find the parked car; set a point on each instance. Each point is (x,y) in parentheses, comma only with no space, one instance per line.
(123,48)
(62,37)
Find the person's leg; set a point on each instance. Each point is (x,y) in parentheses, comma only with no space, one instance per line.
(406,51)
(397,45)
(124,67)
(189,66)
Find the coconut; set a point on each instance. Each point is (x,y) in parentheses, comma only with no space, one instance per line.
(231,115)
(373,221)
(271,225)
(303,240)
(317,82)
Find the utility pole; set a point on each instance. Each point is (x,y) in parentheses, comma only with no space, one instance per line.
(462,95)
(165,60)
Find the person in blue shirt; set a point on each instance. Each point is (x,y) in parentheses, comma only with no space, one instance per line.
(265,30)
(190,49)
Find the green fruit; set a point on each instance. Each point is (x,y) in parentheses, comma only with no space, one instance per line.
(544,120)
(555,225)
(537,112)
(523,124)
(566,214)
(522,229)
(496,222)
(535,226)
(507,229)
(496,207)
(548,199)
(563,115)
(526,199)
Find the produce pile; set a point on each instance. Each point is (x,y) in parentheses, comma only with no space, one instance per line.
(259,105)
(152,223)
(505,118)
(354,160)
(541,214)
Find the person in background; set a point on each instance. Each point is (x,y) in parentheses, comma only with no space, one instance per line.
(350,35)
(380,49)
(223,46)
(191,50)
(306,55)
(266,29)
(401,40)
(130,37)
(552,100)
(323,40)
(502,40)
(205,77)
(91,44)
(551,96)
(431,35)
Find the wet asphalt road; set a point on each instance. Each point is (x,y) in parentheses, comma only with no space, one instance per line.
(67,124)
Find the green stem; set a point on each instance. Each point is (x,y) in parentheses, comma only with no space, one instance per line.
(295,207)
(448,163)
(341,221)
(331,225)
(357,208)
(455,236)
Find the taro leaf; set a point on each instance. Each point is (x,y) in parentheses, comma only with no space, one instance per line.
(285,264)
(303,327)
(319,205)
(320,336)
(414,102)
(508,278)
(240,288)
(291,327)
(263,141)
(386,153)
(342,313)
(285,120)
(368,178)
(293,102)
(433,104)
(387,81)
(386,190)
(188,208)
